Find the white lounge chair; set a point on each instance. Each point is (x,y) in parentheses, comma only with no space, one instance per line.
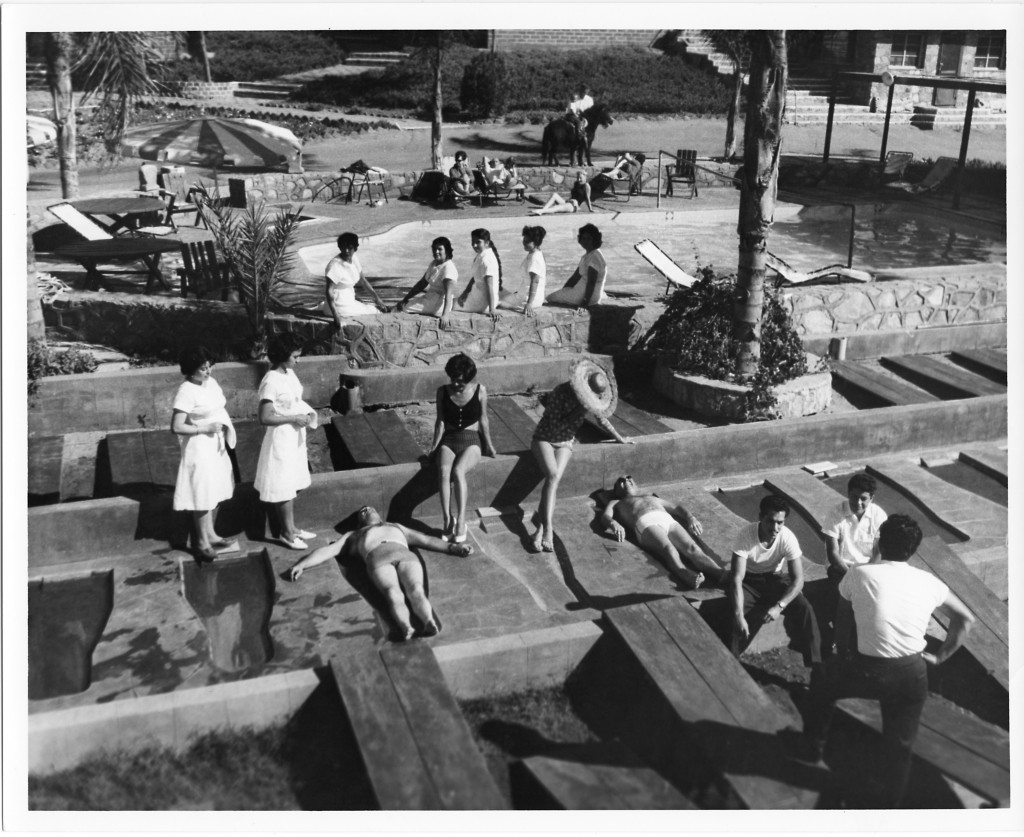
(661,262)
(80,222)
(797,277)
(942,169)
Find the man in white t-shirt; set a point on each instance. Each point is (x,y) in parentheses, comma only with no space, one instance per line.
(891,604)
(759,591)
(851,538)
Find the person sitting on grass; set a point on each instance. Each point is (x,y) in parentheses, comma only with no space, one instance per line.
(392,566)
(657,528)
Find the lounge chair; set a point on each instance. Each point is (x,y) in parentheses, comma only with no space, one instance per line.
(942,169)
(797,277)
(80,222)
(661,262)
(896,163)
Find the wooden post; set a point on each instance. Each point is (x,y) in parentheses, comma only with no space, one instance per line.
(885,129)
(958,183)
(831,115)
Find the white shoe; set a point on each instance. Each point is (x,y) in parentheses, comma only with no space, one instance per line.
(305,533)
(295,543)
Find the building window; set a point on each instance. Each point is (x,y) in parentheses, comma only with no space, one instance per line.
(991,52)
(907,49)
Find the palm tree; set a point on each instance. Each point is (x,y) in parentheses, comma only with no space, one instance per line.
(734,43)
(762,144)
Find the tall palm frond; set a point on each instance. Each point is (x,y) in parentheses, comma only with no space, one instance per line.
(257,246)
(116,67)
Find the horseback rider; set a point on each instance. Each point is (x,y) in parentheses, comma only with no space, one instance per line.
(580,103)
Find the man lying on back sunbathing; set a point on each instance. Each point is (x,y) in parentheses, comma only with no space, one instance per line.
(660,533)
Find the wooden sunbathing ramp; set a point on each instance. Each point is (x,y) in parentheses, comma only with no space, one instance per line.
(630,422)
(969,751)
(618,782)
(988,642)
(702,695)
(992,463)
(418,752)
(373,440)
(942,379)
(883,390)
(511,427)
(988,362)
(45,455)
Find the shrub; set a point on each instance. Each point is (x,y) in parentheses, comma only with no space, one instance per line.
(44,362)
(694,336)
(485,85)
(258,55)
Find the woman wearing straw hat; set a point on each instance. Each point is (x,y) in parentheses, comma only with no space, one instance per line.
(590,389)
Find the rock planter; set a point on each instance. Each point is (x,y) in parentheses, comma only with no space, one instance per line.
(803,396)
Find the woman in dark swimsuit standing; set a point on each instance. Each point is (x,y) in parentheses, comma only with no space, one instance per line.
(460,429)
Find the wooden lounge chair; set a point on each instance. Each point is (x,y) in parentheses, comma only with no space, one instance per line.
(684,171)
(202,274)
(661,262)
(895,165)
(796,277)
(80,222)
(942,169)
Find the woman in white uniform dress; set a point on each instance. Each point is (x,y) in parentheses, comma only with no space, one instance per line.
(343,273)
(204,430)
(283,470)
(483,293)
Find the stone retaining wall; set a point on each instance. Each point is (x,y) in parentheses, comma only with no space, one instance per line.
(200,89)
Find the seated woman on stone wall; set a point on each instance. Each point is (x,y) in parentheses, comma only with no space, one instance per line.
(343,273)
(439,282)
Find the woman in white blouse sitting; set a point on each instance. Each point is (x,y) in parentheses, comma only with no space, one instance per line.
(439,282)
(483,293)
(534,269)
(586,285)
(343,273)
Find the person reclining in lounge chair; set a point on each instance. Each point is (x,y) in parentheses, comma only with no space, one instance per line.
(655,525)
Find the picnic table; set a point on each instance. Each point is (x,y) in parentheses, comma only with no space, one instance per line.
(90,253)
(124,213)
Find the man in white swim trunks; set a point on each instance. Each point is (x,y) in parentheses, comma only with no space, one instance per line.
(658,531)
(393,567)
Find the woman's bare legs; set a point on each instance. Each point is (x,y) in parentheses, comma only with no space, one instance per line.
(552,462)
(464,462)
(285,514)
(445,458)
(555,200)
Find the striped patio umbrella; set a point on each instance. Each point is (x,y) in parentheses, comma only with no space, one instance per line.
(217,143)
(39,130)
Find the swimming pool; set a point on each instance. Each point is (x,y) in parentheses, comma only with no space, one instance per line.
(886,236)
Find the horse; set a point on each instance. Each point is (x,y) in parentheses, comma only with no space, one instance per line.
(560,133)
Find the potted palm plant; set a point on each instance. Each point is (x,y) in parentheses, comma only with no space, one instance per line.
(256,243)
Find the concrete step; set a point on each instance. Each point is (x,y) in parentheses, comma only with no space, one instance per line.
(265,90)
(375,59)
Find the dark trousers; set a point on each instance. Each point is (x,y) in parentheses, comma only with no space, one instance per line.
(760,593)
(900,685)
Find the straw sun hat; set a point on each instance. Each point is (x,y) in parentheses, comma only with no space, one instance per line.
(594,386)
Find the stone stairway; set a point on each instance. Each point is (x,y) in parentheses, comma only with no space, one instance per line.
(35,75)
(375,59)
(268,90)
(700,47)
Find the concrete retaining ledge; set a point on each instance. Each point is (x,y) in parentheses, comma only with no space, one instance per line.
(872,344)
(79,531)
(61,739)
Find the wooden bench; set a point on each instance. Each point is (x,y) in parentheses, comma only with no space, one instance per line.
(45,459)
(943,379)
(417,749)
(988,362)
(511,427)
(702,695)
(992,463)
(969,751)
(882,389)
(622,784)
(631,422)
(373,440)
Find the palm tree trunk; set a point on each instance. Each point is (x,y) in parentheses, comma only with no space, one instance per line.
(204,57)
(762,144)
(436,151)
(34,315)
(58,75)
(734,109)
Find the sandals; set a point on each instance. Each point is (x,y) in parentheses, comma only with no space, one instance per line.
(457,538)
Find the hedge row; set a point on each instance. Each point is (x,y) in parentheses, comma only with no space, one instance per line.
(628,80)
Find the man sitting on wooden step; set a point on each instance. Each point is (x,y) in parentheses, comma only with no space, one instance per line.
(393,567)
(891,604)
(758,591)
(657,530)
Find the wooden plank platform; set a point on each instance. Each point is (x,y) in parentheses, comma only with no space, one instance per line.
(883,389)
(372,440)
(45,458)
(624,785)
(418,752)
(816,500)
(988,362)
(989,639)
(715,701)
(511,427)
(974,753)
(942,379)
(143,457)
(631,422)
(992,463)
(721,525)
